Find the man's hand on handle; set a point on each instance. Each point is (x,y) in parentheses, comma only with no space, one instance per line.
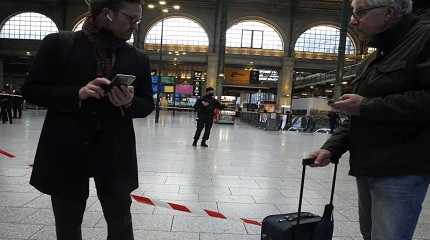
(322,158)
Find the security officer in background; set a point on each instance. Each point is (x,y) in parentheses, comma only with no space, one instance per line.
(205,107)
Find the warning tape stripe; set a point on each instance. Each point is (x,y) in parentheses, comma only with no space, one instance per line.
(3,152)
(182,208)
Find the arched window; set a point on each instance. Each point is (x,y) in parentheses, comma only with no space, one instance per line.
(254,34)
(178,31)
(29,25)
(323,39)
(81,22)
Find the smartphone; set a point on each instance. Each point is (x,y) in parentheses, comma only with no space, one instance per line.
(120,80)
(123,79)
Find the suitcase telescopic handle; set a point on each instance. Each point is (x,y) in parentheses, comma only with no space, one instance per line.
(307,162)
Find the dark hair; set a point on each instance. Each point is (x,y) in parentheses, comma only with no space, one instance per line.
(210,89)
(96,6)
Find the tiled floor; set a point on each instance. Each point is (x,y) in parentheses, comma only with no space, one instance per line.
(246,172)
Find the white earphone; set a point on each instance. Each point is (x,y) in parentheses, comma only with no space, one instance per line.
(109,18)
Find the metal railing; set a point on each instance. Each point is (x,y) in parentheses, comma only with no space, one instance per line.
(328,77)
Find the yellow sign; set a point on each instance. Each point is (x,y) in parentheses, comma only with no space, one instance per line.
(237,77)
(169,89)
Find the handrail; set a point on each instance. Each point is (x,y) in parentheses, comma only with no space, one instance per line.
(327,77)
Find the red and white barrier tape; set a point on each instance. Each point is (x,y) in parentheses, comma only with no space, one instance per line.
(183,208)
(9,155)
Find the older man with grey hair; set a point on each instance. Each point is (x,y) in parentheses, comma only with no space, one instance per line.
(390,120)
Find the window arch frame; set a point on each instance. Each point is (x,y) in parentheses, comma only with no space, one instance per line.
(181,47)
(11,16)
(328,55)
(263,21)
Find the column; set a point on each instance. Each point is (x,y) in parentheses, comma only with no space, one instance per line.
(285,85)
(211,79)
(221,28)
(2,83)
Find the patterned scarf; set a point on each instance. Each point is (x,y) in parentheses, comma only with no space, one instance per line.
(105,44)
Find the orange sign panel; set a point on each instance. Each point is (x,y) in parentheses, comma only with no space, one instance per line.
(237,77)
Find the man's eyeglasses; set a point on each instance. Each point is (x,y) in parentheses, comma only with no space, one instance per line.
(362,12)
(131,19)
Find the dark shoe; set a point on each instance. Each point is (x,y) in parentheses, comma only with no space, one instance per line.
(195,143)
(203,144)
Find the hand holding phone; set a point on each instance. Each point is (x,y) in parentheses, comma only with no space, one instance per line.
(120,80)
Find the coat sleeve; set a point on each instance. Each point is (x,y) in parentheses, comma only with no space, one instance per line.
(197,104)
(338,143)
(218,105)
(408,107)
(43,87)
(143,102)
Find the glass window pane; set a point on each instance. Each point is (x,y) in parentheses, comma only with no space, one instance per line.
(28,25)
(178,30)
(323,39)
(246,39)
(265,36)
(257,41)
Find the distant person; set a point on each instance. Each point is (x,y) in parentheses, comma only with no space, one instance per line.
(6,103)
(309,124)
(205,107)
(18,100)
(333,120)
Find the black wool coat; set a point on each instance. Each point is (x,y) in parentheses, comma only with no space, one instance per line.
(89,138)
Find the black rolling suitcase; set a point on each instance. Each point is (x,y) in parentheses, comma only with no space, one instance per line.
(301,225)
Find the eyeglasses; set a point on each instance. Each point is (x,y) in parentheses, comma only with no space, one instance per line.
(362,12)
(131,19)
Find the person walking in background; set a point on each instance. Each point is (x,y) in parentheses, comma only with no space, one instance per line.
(388,133)
(88,130)
(205,107)
(333,120)
(18,100)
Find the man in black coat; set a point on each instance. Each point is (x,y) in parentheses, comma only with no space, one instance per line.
(6,102)
(17,104)
(205,107)
(88,130)
(388,133)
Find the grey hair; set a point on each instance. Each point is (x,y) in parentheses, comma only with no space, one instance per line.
(403,6)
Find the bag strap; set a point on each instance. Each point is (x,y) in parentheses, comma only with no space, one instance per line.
(306,162)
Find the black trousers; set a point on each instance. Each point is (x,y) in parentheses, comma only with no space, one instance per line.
(17,111)
(6,114)
(69,211)
(207,125)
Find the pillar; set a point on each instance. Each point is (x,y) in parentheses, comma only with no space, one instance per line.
(212,77)
(2,82)
(285,85)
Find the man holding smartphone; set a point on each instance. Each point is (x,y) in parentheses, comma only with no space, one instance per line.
(388,133)
(88,130)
